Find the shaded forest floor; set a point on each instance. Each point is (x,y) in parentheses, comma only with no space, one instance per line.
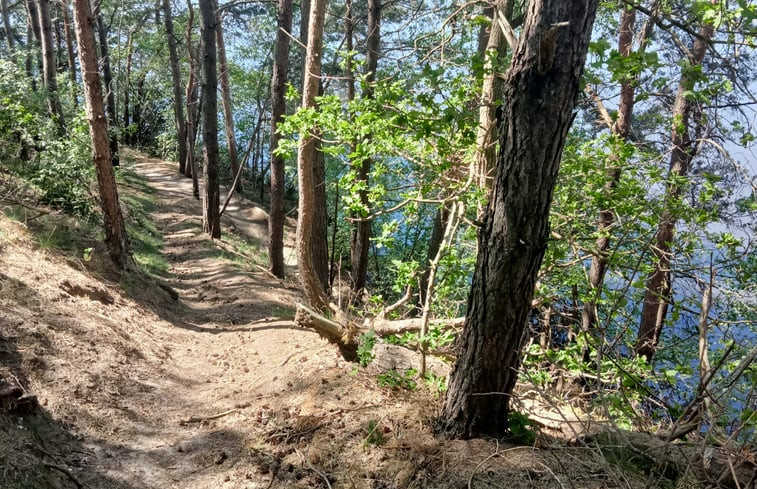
(189,372)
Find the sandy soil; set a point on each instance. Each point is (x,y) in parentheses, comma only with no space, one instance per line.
(215,389)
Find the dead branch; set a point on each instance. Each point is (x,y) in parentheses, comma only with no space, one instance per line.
(724,466)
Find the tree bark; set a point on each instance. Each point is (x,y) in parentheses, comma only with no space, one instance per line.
(178,101)
(212,197)
(69,49)
(228,116)
(657,294)
(540,89)
(278,109)
(33,40)
(110,94)
(115,232)
(622,129)
(192,102)
(49,66)
(493,50)
(7,24)
(127,85)
(361,232)
(310,246)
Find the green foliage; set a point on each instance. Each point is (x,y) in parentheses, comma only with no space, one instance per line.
(366,342)
(393,379)
(64,172)
(521,428)
(374,434)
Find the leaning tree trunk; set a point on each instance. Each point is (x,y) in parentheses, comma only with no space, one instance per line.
(658,286)
(115,232)
(309,245)
(228,116)
(110,94)
(178,101)
(540,91)
(211,200)
(361,232)
(49,66)
(278,109)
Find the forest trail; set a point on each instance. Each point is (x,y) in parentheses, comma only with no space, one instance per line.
(197,378)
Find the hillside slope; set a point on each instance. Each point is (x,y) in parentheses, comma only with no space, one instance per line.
(194,376)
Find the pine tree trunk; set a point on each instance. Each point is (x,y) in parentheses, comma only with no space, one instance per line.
(540,88)
(69,49)
(310,246)
(110,93)
(48,64)
(115,232)
(178,101)
(493,50)
(211,199)
(622,129)
(361,232)
(33,40)
(7,24)
(278,109)
(657,295)
(228,115)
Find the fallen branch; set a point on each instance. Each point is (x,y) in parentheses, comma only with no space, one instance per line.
(345,335)
(723,466)
(200,419)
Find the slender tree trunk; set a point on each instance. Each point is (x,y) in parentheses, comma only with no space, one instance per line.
(191,97)
(60,61)
(110,94)
(434,244)
(211,199)
(228,115)
(127,86)
(309,245)
(304,23)
(67,22)
(622,129)
(361,232)
(115,232)
(49,70)
(178,101)
(29,62)
(33,41)
(657,295)
(7,25)
(278,109)
(541,87)
(494,50)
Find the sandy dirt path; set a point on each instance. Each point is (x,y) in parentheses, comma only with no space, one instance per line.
(235,359)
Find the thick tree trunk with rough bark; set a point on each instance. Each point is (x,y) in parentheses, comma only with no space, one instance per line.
(228,116)
(110,93)
(361,232)
(211,200)
(657,295)
(49,71)
(278,109)
(115,232)
(540,89)
(178,100)
(310,246)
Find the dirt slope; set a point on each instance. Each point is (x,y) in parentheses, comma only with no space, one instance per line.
(216,388)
